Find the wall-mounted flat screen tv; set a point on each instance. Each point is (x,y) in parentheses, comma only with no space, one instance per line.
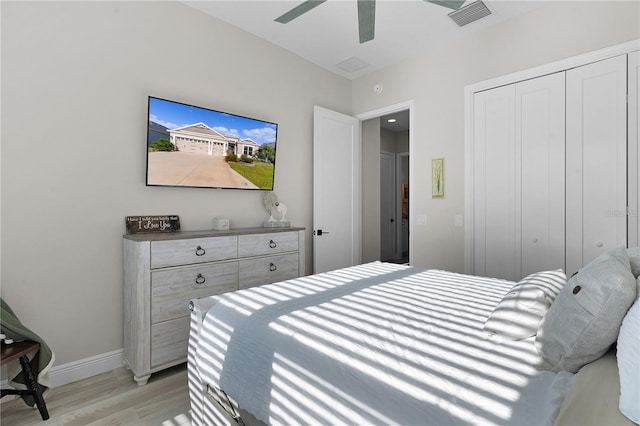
(197,147)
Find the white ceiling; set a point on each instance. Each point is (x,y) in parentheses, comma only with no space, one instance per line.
(328,34)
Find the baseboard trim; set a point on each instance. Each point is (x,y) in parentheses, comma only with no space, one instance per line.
(85,368)
(77,370)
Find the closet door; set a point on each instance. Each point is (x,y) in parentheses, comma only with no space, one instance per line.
(596,160)
(633,125)
(494,245)
(519,177)
(540,173)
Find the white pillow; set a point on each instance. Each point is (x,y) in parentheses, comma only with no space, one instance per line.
(585,318)
(629,364)
(520,311)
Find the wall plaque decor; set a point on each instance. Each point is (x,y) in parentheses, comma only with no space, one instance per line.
(144,224)
(437,178)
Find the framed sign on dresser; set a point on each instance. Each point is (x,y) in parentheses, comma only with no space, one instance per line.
(162,272)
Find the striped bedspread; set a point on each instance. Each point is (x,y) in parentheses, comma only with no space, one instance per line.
(375,344)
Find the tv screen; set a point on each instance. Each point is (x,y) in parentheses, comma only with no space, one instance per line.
(197,147)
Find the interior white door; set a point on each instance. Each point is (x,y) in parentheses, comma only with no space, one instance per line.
(387,206)
(540,173)
(519,180)
(494,244)
(596,160)
(336,190)
(403,204)
(633,124)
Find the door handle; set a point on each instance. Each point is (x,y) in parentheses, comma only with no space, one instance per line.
(392,220)
(320,232)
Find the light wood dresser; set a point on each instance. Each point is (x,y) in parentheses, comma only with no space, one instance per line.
(162,272)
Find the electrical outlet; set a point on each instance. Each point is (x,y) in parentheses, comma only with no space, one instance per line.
(458,220)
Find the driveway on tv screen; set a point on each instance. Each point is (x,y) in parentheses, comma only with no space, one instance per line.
(193,169)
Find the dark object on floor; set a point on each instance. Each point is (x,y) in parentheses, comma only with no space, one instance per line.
(19,350)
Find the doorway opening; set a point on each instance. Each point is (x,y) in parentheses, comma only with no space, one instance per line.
(394,187)
(386,183)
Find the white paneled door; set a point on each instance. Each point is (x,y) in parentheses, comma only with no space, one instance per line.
(388,192)
(336,190)
(494,179)
(633,152)
(553,157)
(540,174)
(518,203)
(596,160)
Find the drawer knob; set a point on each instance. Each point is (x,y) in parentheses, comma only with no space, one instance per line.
(272,244)
(200,279)
(200,251)
(272,267)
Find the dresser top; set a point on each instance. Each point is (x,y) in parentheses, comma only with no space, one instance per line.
(179,235)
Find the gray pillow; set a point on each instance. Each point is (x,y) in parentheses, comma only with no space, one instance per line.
(585,318)
(634,260)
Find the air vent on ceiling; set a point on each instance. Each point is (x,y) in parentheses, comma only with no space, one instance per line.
(470,13)
(352,64)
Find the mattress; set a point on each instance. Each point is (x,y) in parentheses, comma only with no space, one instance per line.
(374,344)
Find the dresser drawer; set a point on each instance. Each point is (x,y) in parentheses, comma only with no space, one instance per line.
(269,269)
(259,245)
(171,289)
(193,250)
(169,341)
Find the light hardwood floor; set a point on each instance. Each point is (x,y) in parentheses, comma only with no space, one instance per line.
(111,398)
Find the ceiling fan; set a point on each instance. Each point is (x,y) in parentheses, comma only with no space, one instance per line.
(366,14)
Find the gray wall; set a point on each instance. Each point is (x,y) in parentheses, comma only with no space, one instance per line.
(75,81)
(371,190)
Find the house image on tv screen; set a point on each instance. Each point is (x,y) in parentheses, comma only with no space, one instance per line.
(203,148)
(202,139)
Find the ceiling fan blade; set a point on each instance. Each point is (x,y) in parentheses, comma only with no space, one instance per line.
(451,4)
(299,10)
(366,19)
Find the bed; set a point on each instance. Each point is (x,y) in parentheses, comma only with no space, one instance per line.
(377,343)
